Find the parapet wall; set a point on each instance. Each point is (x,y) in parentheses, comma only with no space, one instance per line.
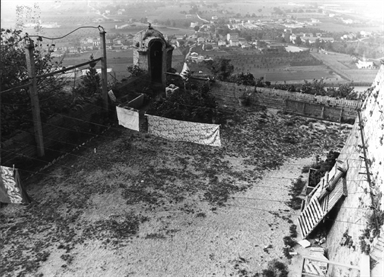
(321,107)
(355,211)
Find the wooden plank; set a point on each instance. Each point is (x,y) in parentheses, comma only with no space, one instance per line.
(310,275)
(315,215)
(365,270)
(312,215)
(324,203)
(306,224)
(316,209)
(331,262)
(301,227)
(307,215)
(321,213)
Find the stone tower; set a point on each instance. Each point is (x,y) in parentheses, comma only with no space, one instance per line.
(153,54)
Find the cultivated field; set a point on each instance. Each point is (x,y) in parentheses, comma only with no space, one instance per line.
(342,64)
(118,61)
(334,27)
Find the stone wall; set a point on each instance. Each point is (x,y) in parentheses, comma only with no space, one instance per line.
(355,210)
(321,107)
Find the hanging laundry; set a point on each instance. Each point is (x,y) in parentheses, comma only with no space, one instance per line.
(128,117)
(11,190)
(201,133)
(185,73)
(112,96)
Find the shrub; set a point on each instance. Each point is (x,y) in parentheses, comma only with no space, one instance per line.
(293,231)
(288,241)
(194,106)
(136,71)
(275,269)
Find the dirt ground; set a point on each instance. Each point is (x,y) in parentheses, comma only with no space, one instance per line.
(131,204)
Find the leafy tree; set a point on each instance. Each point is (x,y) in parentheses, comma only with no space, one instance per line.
(298,40)
(16,106)
(90,83)
(248,38)
(245,79)
(136,71)
(196,28)
(197,105)
(220,67)
(316,87)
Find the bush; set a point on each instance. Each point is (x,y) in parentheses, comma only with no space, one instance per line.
(16,104)
(293,231)
(194,106)
(288,241)
(275,269)
(136,71)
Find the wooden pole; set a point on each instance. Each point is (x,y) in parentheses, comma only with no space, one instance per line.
(0,131)
(38,130)
(104,76)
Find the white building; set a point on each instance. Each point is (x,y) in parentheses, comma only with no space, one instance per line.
(364,64)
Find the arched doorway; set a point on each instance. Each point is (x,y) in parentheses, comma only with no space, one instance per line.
(156,61)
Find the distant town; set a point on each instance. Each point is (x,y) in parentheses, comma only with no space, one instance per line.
(210,28)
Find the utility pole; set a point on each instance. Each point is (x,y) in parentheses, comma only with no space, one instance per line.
(104,76)
(38,130)
(0,126)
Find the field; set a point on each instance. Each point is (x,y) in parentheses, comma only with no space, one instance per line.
(118,61)
(341,64)
(299,75)
(334,27)
(278,68)
(274,68)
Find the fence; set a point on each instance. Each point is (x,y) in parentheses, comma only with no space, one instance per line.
(52,125)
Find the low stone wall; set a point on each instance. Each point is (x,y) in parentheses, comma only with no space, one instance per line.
(320,111)
(321,107)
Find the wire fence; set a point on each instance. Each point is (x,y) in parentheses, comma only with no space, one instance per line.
(51,104)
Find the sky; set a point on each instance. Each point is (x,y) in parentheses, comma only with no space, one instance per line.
(375,7)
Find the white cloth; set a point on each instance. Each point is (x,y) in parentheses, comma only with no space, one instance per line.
(201,133)
(112,96)
(185,72)
(129,118)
